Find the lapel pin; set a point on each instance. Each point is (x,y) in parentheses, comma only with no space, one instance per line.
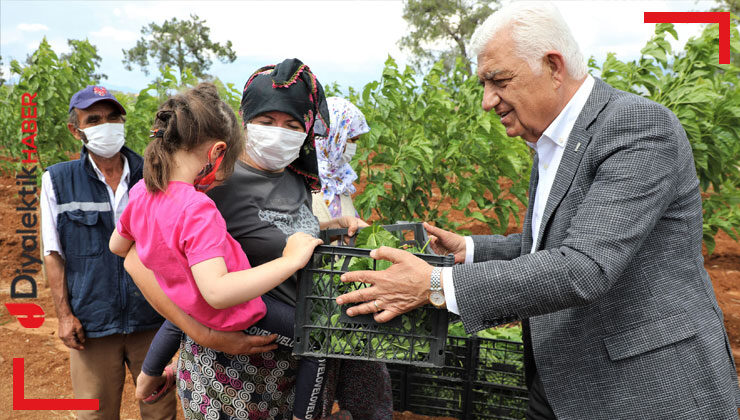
(578,145)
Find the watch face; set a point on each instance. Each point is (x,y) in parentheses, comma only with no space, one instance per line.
(437,298)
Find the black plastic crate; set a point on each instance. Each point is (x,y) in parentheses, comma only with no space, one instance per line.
(323,328)
(412,234)
(481,379)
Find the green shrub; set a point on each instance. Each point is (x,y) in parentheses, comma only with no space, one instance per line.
(430,132)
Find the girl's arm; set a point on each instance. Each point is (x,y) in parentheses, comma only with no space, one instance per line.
(119,245)
(222,289)
(232,342)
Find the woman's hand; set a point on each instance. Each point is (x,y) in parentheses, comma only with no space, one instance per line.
(351,223)
(444,242)
(236,342)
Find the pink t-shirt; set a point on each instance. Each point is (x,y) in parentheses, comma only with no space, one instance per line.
(180,228)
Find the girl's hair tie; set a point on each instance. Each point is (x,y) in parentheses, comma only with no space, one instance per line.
(158,133)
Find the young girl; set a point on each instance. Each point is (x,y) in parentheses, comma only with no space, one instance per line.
(182,238)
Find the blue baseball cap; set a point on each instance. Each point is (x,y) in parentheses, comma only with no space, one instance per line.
(92,94)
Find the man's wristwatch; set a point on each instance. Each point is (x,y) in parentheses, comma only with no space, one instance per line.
(436,294)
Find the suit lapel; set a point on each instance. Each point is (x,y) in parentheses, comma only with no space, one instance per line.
(578,141)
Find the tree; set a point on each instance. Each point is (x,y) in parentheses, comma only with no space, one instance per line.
(91,56)
(180,44)
(76,46)
(441,29)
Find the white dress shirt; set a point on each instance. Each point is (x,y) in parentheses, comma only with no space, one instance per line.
(549,148)
(49,208)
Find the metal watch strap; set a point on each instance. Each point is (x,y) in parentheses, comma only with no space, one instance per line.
(436,280)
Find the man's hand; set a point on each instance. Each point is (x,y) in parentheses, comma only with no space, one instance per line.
(400,288)
(236,342)
(444,242)
(71,332)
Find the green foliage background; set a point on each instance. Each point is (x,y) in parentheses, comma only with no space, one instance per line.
(429,137)
(429,132)
(55,80)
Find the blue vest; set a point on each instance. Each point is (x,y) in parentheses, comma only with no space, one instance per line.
(100,291)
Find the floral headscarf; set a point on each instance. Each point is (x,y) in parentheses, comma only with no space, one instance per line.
(337,177)
(290,87)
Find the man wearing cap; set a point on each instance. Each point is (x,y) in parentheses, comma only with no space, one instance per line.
(103,318)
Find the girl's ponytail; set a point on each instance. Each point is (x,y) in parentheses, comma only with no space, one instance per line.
(158,153)
(185,121)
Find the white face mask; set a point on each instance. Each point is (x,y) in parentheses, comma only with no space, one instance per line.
(349,150)
(273,148)
(105,139)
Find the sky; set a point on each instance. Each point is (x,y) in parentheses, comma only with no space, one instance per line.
(342,41)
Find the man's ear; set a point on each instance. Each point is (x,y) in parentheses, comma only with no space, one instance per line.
(74,131)
(555,63)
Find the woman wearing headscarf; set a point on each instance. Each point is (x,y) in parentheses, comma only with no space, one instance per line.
(363,388)
(334,154)
(266,199)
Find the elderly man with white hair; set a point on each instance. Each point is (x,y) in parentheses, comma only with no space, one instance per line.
(620,318)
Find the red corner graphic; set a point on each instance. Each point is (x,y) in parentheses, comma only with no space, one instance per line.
(30,315)
(722,18)
(21,403)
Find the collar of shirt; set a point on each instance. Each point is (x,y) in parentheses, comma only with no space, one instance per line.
(124,175)
(559,130)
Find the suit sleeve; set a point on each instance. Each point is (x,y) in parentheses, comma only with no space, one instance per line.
(632,157)
(497,247)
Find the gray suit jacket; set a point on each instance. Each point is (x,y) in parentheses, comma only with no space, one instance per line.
(624,322)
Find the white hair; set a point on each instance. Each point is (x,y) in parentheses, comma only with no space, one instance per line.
(537,27)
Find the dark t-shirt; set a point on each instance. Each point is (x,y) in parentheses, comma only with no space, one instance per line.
(261,210)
